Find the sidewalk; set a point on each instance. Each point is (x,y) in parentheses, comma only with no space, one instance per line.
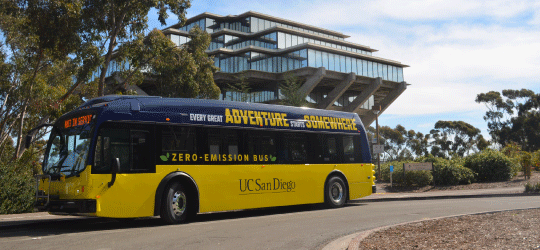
(28,218)
(382,195)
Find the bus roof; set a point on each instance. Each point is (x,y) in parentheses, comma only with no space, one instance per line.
(227,113)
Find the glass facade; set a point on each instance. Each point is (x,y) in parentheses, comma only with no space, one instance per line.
(347,64)
(261,62)
(280,60)
(307,58)
(114,66)
(248,25)
(179,40)
(254,24)
(201,23)
(287,61)
(288,40)
(258,96)
(259,24)
(268,41)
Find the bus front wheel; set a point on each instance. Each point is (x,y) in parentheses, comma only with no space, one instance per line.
(335,192)
(177,204)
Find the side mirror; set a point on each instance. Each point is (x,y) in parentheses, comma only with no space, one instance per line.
(27,141)
(115,168)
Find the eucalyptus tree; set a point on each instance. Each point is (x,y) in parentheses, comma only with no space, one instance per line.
(109,23)
(418,143)
(513,116)
(395,143)
(40,44)
(289,90)
(174,71)
(456,137)
(240,87)
(54,46)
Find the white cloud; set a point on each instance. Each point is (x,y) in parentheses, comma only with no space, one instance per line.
(445,10)
(426,125)
(441,98)
(450,65)
(345,12)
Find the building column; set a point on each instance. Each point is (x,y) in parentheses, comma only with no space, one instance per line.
(312,81)
(364,96)
(337,92)
(389,99)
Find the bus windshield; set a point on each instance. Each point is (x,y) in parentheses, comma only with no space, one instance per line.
(68,146)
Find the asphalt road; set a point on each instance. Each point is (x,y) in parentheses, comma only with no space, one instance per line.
(297,227)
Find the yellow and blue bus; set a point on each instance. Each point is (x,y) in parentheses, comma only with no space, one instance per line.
(140,156)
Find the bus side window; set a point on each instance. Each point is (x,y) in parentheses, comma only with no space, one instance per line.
(351,149)
(230,142)
(111,143)
(326,150)
(132,146)
(222,143)
(297,148)
(140,148)
(214,142)
(262,145)
(180,141)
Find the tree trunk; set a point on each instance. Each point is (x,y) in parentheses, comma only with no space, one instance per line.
(20,135)
(41,122)
(112,44)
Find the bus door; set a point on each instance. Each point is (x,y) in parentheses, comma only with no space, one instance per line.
(131,191)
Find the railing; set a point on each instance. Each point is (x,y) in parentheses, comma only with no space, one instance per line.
(40,196)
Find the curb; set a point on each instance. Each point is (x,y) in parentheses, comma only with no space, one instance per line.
(20,220)
(444,197)
(341,243)
(356,238)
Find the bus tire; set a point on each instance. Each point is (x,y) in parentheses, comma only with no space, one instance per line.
(177,204)
(335,192)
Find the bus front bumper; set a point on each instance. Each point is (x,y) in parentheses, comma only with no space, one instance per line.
(69,206)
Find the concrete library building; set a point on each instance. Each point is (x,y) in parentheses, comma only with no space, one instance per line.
(334,73)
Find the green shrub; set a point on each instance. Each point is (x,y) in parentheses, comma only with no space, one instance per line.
(522,159)
(449,172)
(490,165)
(385,170)
(17,185)
(532,188)
(412,178)
(419,178)
(536,160)
(454,175)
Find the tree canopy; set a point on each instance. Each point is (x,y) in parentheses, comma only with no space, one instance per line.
(456,137)
(289,90)
(51,49)
(513,116)
(107,23)
(446,139)
(175,71)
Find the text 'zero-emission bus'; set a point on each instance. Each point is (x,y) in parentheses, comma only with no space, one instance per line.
(140,156)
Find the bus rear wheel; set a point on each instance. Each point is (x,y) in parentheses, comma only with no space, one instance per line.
(177,204)
(335,192)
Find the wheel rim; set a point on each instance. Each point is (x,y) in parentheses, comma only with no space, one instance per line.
(178,203)
(336,192)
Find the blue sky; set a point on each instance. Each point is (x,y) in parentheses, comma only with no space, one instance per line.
(455,49)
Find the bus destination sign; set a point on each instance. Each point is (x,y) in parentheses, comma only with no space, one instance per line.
(77,121)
